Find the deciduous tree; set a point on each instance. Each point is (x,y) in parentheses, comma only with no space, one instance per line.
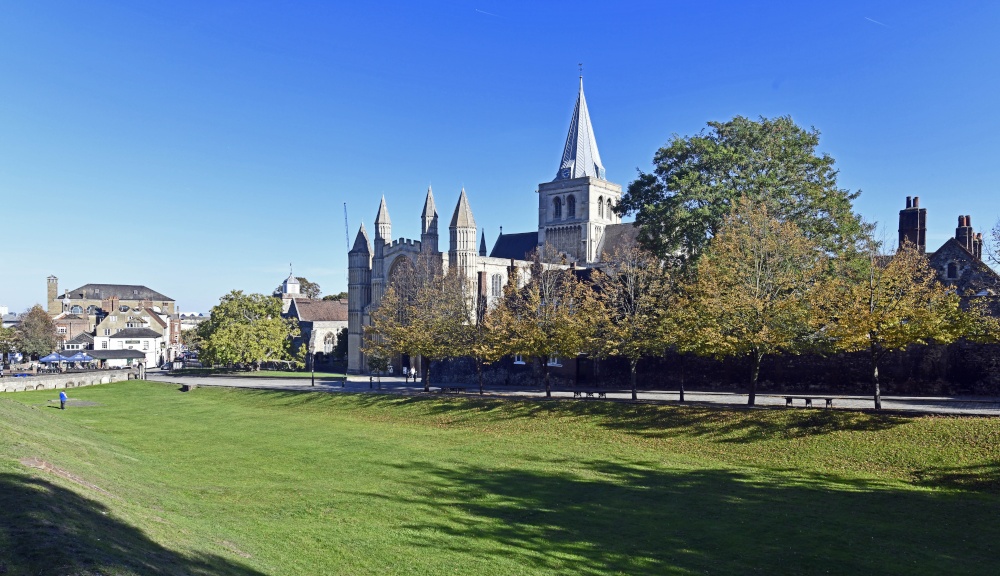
(246,329)
(9,342)
(36,333)
(696,180)
(553,316)
(423,313)
(883,303)
(752,291)
(637,291)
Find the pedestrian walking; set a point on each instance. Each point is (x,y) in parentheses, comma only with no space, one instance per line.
(62,400)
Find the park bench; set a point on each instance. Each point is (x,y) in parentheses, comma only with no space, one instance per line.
(809,400)
(453,389)
(589,393)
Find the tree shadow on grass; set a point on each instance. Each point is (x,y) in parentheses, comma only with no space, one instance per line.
(722,424)
(47,529)
(604,517)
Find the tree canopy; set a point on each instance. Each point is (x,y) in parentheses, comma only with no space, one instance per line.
(751,295)
(423,313)
(36,332)
(885,302)
(696,180)
(246,329)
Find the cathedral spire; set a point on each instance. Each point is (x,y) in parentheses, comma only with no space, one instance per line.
(383,213)
(462,218)
(482,243)
(429,216)
(580,156)
(361,243)
(383,226)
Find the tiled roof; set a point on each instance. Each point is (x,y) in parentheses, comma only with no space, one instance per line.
(309,310)
(115,354)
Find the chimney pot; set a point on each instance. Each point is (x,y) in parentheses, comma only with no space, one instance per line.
(909,202)
(968,220)
(961,221)
(916,201)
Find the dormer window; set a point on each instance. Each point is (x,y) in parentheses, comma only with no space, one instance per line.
(135,292)
(952,271)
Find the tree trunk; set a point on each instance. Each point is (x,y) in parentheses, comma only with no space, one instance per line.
(545,372)
(878,392)
(682,379)
(754,373)
(427,375)
(479,375)
(632,365)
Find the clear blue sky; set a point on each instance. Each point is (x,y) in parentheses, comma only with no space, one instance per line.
(198,147)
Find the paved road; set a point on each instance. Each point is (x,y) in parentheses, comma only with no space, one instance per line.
(971,405)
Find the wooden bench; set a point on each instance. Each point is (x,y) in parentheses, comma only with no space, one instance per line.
(453,389)
(809,400)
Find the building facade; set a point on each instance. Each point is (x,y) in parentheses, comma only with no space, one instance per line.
(575,216)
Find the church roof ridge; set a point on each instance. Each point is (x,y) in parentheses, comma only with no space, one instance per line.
(580,156)
(462,218)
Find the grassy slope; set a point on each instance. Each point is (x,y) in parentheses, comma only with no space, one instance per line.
(245,482)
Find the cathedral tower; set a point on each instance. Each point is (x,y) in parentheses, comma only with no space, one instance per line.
(575,208)
(359,295)
(429,225)
(462,245)
(383,235)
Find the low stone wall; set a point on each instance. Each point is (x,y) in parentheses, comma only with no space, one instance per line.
(55,381)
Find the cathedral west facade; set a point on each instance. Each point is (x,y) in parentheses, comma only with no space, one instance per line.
(575,216)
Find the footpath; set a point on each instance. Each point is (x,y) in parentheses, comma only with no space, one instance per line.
(960,405)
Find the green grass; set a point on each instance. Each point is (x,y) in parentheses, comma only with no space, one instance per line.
(255,374)
(218,481)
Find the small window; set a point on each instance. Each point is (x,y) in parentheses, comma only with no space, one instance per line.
(107,332)
(600,207)
(145,344)
(76,309)
(557,207)
(123,308)
(61,330)
(952,270)
(611,214)
(104,345)
(497,285)
(571,206)
(113,318)
(554,361)
(328,343)
(135,292)
(518,359)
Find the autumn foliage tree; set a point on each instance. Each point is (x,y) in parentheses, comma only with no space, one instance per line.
(883,303)
(36,333)
(424,312)
(637,292)
(752,291)
(552,316)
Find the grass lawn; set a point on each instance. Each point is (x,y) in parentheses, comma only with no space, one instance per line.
(148,480)
(256,374)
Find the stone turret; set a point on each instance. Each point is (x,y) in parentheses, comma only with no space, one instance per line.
(53,295)
(913,224)
(462,245)
(429,225)
(383,236)
(482,244)
(359,295)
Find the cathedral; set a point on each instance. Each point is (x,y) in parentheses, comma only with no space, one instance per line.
(575,216)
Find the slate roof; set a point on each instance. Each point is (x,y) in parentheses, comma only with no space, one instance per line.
(81,338)
(517,246)
(580,156)
(309,310)
(121,291)
(116,354)
(137,333)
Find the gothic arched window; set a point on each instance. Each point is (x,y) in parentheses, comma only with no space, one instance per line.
(600,207)
(952,270)
(557,207)
(611,214)
(328,343)
(497,287)
(571,206)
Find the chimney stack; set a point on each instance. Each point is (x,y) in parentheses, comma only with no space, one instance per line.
(964,235)
(913,224)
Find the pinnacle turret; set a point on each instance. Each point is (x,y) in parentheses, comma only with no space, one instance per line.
(580,156)
(383,226)
(462,218)
(361,243)
(482,243)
